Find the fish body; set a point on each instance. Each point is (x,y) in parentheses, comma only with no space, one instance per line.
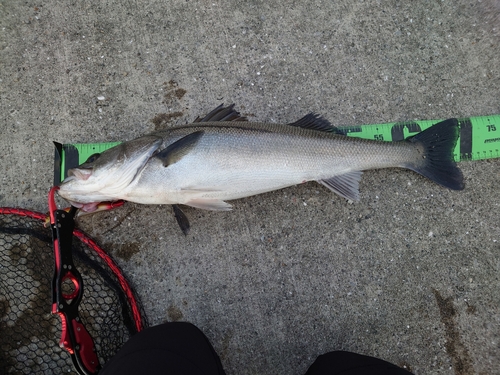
(209,162)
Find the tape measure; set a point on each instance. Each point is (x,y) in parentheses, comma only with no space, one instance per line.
(479,136)
(479,139)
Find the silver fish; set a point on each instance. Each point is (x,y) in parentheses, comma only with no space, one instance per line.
(224,157)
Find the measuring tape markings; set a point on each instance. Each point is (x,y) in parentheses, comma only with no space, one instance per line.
(479,140)
(479,136)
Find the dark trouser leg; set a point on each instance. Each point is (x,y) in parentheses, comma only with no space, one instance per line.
(346,363)
(171,348)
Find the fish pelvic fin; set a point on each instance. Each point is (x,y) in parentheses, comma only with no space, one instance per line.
(345,185)
(182,219)
(209,204)
(436,146)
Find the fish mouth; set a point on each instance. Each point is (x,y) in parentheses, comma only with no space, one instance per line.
(79,174)
(86,207)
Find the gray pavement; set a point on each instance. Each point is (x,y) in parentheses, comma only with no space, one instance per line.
(409,274)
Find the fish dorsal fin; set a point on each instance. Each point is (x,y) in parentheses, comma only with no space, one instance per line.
(222,114)
(180,148)
(345,185)
(315,122)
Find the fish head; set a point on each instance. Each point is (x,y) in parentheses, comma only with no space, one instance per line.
(105,176)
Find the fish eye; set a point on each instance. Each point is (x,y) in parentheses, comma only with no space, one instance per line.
(92,158)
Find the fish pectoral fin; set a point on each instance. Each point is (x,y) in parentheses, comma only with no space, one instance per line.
(209,204)
(182,219)
(177,150)
(345,185)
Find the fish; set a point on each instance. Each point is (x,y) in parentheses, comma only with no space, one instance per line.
(223,156)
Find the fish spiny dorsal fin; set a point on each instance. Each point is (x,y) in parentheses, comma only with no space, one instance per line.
(315,122)
(222,114)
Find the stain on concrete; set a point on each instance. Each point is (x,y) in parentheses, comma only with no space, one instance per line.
(174,313)
(172,91)
(172,97)
(127,250)
(179,93)
(471,309)
(461,361)
(161,120)
(226,340)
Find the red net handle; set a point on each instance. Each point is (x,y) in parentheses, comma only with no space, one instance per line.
(139,325)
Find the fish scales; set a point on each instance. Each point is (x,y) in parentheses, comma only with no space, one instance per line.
(231,162)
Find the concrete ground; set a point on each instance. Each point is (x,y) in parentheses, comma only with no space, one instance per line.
(409,274)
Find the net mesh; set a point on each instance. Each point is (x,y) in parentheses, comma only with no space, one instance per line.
(29,333)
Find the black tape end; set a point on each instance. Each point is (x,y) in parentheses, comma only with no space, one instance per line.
(57,162)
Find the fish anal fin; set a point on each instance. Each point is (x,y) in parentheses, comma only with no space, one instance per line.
(222,113)
(182,219)
(180,148)
(209,204)
(345,185)
(314,121)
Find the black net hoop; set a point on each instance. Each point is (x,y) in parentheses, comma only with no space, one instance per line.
(29,333)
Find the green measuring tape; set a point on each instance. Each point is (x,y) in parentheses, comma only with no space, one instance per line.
(479,139)
(70,155)
(479,136)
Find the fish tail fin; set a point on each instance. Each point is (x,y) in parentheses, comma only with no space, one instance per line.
(436,146)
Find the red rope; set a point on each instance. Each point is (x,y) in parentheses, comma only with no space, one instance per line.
(100,252)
